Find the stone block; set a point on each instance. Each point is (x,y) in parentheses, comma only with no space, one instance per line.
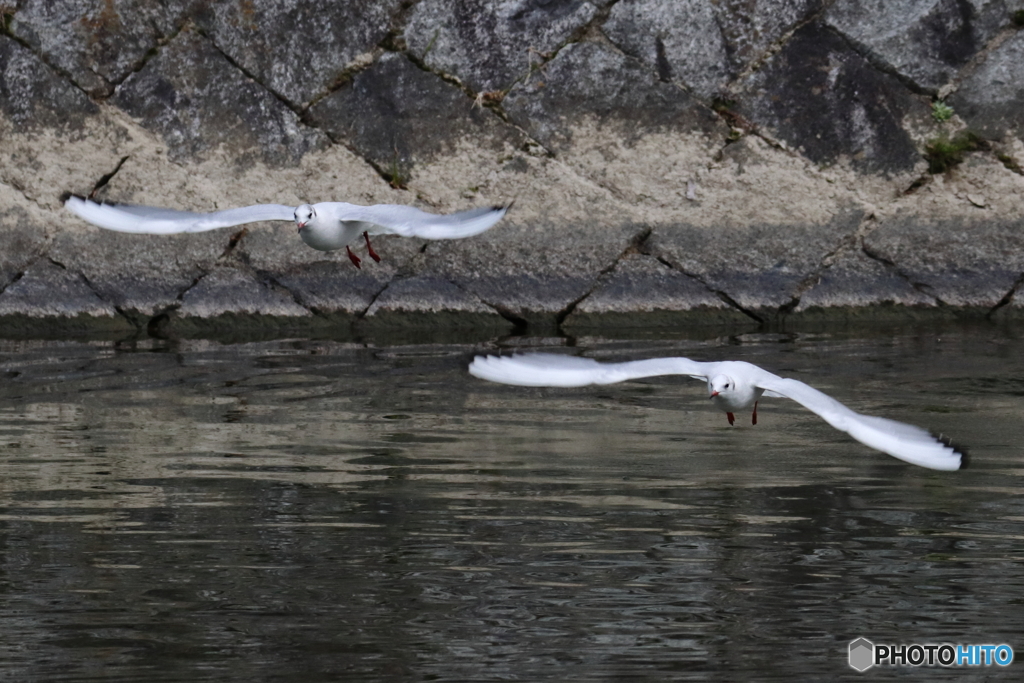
(700,44)
(97,43)
(588,82)
(858,287)
(430,303)
(828,102)
(140,274)
(991,99)
(759,266)
(48,292)
(297,49)
(643,292)
(334,287)
(490,44)
(229,291)
(24,236)
(926,42)
(33,97)
(192,96)
(963,262)
(399,116)
(425,294)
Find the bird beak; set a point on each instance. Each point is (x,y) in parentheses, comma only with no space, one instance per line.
(713,394)
(301,225)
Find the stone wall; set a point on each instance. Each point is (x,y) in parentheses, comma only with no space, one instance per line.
(695,161)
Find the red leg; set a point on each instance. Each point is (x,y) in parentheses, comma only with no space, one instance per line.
(753,420)
(732,418)
(372,253)
(353,258)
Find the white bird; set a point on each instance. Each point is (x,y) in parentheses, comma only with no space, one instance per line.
(325,226)
(732,386)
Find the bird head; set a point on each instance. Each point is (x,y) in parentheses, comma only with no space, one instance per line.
(720,385)
(303,215)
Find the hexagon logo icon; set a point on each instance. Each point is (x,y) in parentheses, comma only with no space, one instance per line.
(862,654)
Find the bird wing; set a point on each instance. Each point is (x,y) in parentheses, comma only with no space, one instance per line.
(411,222)
(155,221)
(555,370)
(898,439)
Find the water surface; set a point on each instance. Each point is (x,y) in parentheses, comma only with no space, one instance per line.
(319,510)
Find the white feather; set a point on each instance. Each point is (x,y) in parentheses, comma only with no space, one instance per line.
(155,221)
(333,225)
(748,383)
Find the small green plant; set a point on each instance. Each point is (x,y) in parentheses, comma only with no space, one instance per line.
(943,152)
(395,174)
(723,105)
(941,111)
(1010,163)
(430,45)
(738,125)
(1018,18)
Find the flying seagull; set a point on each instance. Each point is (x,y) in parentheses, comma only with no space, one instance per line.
(325,226)
(732,386)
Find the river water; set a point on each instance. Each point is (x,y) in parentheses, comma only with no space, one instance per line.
(330,510)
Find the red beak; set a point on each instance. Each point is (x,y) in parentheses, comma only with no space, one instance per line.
(713,394)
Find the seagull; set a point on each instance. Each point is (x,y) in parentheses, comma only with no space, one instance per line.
(732,386)
(325,226)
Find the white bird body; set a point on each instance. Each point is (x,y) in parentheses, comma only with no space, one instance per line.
(326,226)
(732,386)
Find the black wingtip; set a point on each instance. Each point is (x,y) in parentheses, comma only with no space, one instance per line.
(965,457)
(506,208)
(85,198)
(962,451)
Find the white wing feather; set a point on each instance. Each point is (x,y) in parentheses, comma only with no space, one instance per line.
(408,221)
(155,221)
(553,370)
(898,439)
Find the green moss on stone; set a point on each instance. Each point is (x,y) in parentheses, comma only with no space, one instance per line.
(944,152)
(395,175)
(723,105)
(1010,163)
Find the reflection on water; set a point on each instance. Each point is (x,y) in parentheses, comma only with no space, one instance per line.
(313,510)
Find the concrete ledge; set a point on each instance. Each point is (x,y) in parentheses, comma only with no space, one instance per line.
(448,327)
(21,326)
(672,164)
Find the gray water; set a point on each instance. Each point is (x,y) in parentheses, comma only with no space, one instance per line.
(323,510)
